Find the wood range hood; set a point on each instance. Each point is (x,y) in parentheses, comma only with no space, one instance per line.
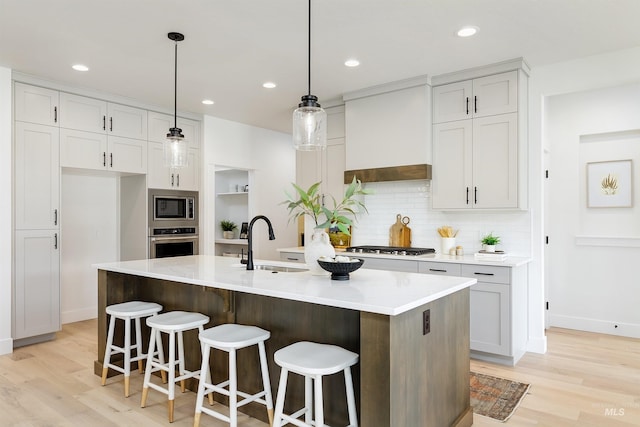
(393,173)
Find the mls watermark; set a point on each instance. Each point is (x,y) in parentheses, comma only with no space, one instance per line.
(618,409)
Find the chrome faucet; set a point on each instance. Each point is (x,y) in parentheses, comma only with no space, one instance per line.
(250,238)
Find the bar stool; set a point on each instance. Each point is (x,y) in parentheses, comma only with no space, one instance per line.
(313,361)
(230,338)
(127,311)
(172,323)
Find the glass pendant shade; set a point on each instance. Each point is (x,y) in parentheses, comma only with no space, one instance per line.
(309,125)
(175,149)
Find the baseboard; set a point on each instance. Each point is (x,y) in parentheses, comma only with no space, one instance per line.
(78,315)
(631,330)
(6,346)
(537,345)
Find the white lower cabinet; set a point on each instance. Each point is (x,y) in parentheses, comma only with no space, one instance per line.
(164,177)
(36,309)
(490,313)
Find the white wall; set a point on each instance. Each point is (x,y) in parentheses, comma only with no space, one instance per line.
(593,286)
(601,71)
(271,158)
(89,230)
(6,212)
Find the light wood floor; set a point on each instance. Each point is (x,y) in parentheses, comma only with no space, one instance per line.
(584,380)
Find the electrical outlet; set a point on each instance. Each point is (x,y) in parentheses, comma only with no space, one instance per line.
(426,322)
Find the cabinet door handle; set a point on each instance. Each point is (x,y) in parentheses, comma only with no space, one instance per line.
(467,195)
(475,195)
(110,124)
(55,114)
(104,122)
(438,269)
(104,158)
(178,180)
(475,104)
(110,160)
(292,259)
(55,241)
(484,274)
(467,105)
(55,217)
(172,180)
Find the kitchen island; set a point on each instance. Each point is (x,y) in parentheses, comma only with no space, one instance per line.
(411,330)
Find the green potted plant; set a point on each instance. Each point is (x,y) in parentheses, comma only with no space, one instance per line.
(310,203)
(490,241)
(228,228)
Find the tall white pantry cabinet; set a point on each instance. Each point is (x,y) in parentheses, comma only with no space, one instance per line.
(479,130)
(36,307)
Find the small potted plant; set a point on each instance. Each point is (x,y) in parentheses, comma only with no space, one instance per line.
(490,241)
(228,228)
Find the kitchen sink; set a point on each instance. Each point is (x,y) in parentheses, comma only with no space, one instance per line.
(279,268)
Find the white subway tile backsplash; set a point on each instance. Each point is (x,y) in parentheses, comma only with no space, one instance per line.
(413,199)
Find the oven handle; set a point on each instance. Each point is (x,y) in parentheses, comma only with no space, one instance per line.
(160,239)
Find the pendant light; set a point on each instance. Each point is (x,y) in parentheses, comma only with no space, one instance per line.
(175,146)
(309,120)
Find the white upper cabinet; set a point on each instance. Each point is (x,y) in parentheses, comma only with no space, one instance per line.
(164,177)
(36,104)
(37,176)
(94,115)
(159,125)
(481,97)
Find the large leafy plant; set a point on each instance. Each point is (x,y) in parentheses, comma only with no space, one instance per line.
(310,203)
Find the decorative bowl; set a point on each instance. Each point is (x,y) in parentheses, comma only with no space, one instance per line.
(341,270)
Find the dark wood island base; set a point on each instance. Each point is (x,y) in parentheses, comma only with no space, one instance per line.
(404,378)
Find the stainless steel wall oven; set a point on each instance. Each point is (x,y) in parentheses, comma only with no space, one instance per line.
(173,223)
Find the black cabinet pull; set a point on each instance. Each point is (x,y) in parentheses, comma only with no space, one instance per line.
(467,105)
(178,180)
(484,274)
(172,180)
(55,114)
(104,158)
(293,259)
(55,217)
(110,124)
(55,241)
(104,122)
(438,269)
(110,160)
(475,195)
(475,104)
(467,195)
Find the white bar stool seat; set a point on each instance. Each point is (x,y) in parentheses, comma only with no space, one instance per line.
(313,361)
(126,311)
(230,338)
(172,323)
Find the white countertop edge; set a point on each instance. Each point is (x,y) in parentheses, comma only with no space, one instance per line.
(129,267)
(463,259)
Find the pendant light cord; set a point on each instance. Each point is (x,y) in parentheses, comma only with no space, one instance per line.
(309,59)
(175,87)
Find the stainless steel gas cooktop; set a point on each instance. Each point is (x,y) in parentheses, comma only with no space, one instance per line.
(390,250)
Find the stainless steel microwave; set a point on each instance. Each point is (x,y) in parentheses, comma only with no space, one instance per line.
(173,206)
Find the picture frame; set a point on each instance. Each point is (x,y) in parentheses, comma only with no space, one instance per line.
(610,184)
(244,230)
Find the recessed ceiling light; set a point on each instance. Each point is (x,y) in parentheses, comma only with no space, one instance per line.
(269,85)
(352,63)
(467,31)
(207,102)
(80,67)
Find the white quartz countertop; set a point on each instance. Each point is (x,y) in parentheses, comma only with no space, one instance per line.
(463,259)
(375,291)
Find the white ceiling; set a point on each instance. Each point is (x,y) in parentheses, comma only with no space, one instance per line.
(232,46)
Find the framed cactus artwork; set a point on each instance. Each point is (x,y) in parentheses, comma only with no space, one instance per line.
(609,184)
